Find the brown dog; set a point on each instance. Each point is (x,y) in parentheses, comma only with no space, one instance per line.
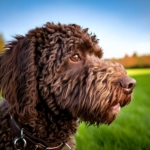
(50,79)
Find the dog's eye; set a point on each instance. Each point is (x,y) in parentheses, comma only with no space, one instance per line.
(75,57)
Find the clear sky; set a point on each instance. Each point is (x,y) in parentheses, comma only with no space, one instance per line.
(123,26)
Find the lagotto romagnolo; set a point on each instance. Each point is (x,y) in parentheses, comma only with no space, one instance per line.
(50,79)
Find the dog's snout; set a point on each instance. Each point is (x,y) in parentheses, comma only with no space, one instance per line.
(128,84)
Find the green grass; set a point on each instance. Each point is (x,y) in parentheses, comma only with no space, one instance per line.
(134,72)
(131,130)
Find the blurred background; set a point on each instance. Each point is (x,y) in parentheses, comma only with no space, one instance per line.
(123,28)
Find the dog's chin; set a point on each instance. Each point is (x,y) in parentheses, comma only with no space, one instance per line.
(111,114)
(114,110)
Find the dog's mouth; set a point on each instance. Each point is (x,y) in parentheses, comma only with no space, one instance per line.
(116,108)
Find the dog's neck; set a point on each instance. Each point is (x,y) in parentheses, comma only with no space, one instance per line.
(30,141)
(55,127)
(51,127)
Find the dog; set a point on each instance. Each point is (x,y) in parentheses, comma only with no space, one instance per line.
(51,79)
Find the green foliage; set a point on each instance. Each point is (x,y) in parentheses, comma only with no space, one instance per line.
(130,131)
(140,63)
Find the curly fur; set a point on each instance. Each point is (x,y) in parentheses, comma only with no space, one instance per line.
(47,93)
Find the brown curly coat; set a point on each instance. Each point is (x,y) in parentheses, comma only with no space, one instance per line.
(47,91)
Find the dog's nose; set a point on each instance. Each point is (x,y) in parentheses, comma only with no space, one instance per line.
(128,84)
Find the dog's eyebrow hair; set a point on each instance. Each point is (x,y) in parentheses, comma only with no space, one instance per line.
(96,51)
(93,48)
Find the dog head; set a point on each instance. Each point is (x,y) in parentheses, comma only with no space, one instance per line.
(62,67)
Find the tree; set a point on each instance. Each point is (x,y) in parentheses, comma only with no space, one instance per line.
(1,43)
(134,54)
(126,56)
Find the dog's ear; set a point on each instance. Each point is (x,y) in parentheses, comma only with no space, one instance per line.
(18,79)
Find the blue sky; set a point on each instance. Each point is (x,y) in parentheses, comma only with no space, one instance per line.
(123,26)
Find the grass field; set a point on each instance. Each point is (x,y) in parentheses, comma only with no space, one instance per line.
(131,130)
(134,72)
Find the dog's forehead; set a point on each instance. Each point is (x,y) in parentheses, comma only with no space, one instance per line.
(76,36)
